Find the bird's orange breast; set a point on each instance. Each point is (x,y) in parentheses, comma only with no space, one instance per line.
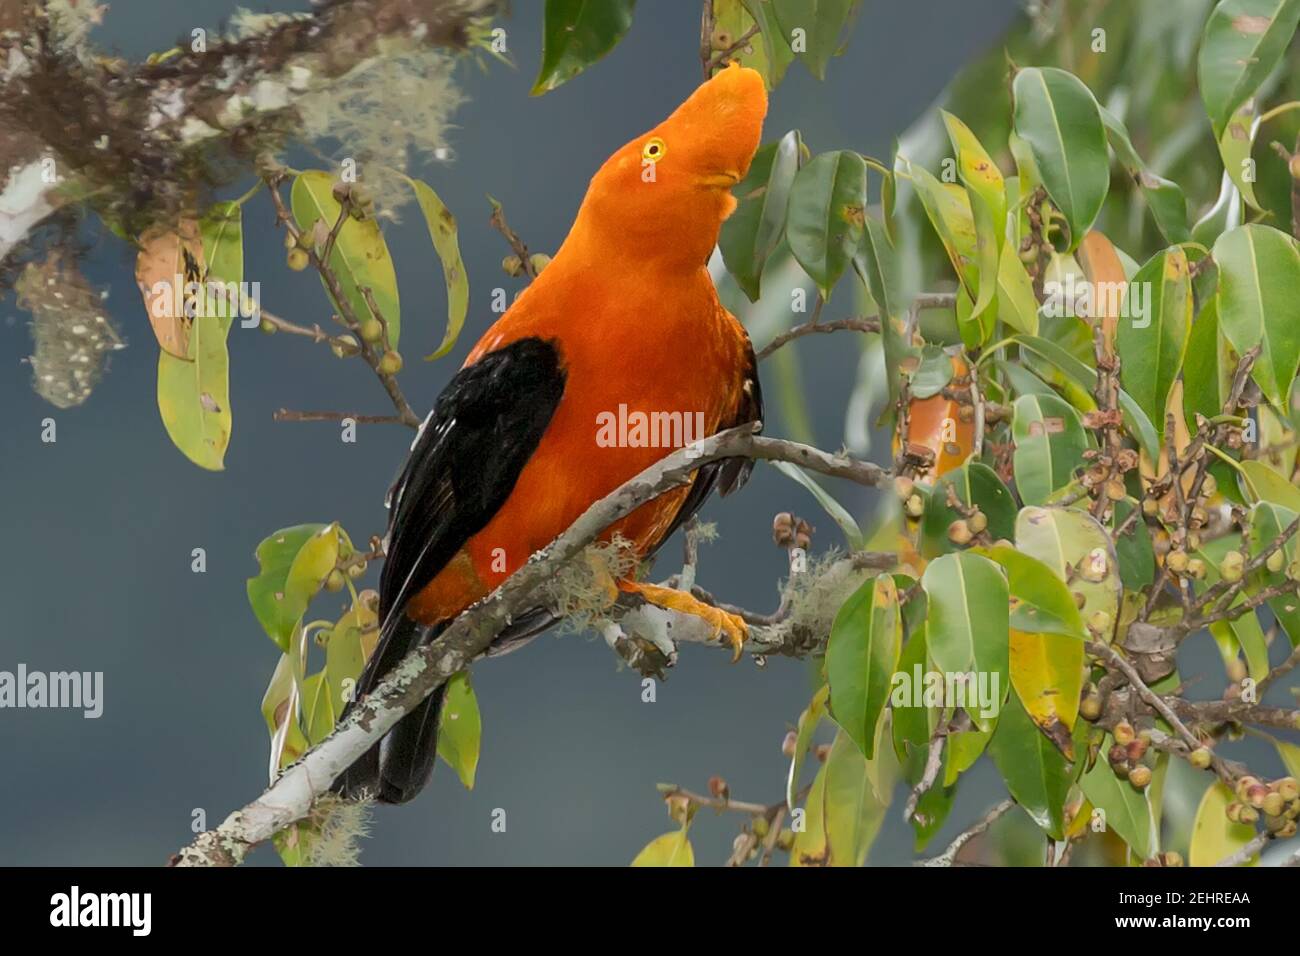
(648,367)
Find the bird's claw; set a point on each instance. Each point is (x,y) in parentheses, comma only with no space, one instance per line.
(726,627)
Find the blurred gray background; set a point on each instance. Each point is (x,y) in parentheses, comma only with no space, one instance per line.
(99,527)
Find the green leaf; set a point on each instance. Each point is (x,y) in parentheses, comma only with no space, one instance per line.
(1079,551)
(1214,836)
(1243,41)
(974,483)
(968,620)
(840,514)
(460,729)
(360,258)
(861,657)
(855,798)
(293,561)
(1164,197)
(1050,441)
(1267,522)
(194,393)
(810,847)
(948,208)
(911,722)
(671,849)
(827,214)
(814,29)
(1056,115)
(1290,755)
(1259,271)
(809,720)
(349,643)
(442,230)
(1036,773)
(577,33)
(751,234)
(1040,602)
(280,710)
(1137,561)
(1262,483)
(876,264)
(1235,147)
(1153,330)
(988,202)
(1085,377)
(1207,366)
(1127,811)
(768,52)
(1017,304)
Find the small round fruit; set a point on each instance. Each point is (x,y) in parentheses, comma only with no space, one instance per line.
(1090,707)
(903,487)
(761,827)
(267,326)
(1276,562)
(1249,816)
(1274,804)
(1140,776)
(390,364)
(298,259)
(356,570)
(788,743)
(959,532)
(1197,569)
(343,346)
(1200,758)
(915,506)
(1099,622)
(978,522)
(1177,561)
(372,330)
(1124,733)
(512,266)
(334,581)
(539,261)
(1232,566)
(1287,787)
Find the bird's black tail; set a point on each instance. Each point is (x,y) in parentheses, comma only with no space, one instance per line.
(397,768)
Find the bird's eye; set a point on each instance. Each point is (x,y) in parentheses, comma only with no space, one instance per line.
(653,150)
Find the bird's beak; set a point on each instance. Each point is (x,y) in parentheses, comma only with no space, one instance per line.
(723,180)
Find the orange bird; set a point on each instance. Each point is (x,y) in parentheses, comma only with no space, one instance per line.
(623,325)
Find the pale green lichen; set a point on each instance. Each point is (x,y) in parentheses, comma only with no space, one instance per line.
(334,828)
(390,115)
(816,594)
(583,591)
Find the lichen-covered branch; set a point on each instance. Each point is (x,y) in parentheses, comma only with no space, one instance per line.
(291,797)
(140,141)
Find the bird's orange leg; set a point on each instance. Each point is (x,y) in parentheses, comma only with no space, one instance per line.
(727,627)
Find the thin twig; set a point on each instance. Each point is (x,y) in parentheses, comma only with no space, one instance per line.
(949,855)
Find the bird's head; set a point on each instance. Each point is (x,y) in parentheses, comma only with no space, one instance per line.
(663,196)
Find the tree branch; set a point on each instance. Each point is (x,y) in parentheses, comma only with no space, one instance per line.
(423,670)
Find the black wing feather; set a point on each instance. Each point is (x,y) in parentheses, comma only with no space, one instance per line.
(463,466)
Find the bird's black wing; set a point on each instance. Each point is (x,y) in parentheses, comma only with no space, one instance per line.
(729,474)
(463,466)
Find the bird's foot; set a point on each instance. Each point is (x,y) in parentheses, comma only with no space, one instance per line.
(729,628)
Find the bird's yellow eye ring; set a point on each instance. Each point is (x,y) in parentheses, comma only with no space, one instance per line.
(654,150)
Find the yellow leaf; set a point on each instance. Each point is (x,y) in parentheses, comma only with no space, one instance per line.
(671,849)
(1047,674)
